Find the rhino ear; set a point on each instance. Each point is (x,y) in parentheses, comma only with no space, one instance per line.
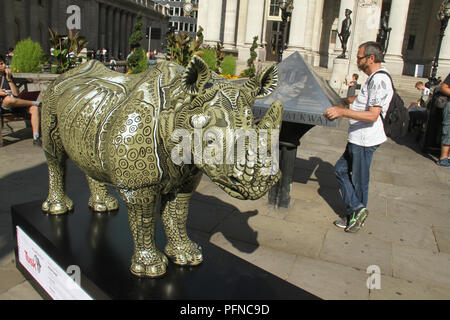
(263,84)
(196,76)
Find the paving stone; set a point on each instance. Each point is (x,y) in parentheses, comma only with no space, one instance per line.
(329,280)
(357,250)
(277,262)
(421,264)
(442,235)
(10,277)
(23,291)
(400,289)
(407,233)
(274,233)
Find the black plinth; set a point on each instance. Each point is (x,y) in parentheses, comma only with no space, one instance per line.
(101,245)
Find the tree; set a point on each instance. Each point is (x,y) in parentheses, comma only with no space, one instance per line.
(137,61)
(251,70)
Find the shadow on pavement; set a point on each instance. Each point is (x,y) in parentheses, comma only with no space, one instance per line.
(206,213)
(325,177)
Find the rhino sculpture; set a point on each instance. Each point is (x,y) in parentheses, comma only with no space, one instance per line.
(118,130)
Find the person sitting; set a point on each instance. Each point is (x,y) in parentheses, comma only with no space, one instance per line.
(417,109)
(351,92)
(10,102)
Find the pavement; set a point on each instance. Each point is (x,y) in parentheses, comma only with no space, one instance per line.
(406,236)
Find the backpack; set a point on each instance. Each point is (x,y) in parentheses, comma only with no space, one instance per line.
(397,117)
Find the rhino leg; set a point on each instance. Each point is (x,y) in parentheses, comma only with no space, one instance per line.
(57,201)
(100,199)
(147,260)
(180,249)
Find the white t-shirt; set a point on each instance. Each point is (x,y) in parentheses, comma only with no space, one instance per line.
(368,134)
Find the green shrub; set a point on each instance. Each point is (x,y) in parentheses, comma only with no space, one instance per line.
(209,56)
(137,62)
(229,65)
(251,70)
(27,57)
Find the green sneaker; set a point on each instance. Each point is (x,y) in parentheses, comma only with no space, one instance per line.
(357,220)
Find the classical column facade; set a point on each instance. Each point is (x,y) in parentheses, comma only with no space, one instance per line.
(398,17)
(212,31)
(317,28)
(296,40)
(229,35)
(102,26)
(444,57)
(109,28)
(254,27)
(311,8)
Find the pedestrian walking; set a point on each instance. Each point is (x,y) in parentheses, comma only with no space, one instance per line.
(365,134)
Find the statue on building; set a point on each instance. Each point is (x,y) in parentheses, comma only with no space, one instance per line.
(384,32)
(345,32)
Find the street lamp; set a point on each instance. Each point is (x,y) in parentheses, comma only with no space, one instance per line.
(286,7)
(443,16)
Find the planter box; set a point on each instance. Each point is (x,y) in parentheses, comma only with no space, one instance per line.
(38,81)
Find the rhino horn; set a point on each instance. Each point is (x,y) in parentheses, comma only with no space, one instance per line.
(264,83)
(196,76)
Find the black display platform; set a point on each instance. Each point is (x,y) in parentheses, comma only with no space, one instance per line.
(101,245)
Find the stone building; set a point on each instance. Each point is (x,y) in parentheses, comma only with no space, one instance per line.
(104,23)
(314,25)
(179,21)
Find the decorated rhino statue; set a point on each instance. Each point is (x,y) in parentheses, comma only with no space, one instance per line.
(119,130)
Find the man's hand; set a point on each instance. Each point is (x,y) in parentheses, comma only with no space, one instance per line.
(3,93)
(334,112)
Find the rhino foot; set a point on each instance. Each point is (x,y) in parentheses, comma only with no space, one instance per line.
(189,255)
(147,263)
(107,204)
(55,206)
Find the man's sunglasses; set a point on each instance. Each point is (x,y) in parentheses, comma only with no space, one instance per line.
(360,58)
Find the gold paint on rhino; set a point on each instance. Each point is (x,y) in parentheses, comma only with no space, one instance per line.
(118,130)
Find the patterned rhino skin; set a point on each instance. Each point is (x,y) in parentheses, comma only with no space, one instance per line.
(117,128)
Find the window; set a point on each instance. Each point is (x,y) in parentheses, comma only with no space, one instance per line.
(411,40)
(274,10)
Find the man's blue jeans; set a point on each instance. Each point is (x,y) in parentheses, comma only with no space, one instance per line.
(353,172)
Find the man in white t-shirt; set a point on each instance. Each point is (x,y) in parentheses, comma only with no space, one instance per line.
(365,134)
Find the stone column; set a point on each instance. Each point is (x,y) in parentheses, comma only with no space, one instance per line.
(123,36)
(109,29)
(102,25)
(229,34)
(444,56)
(397,21)
(116,37)
(309,29)
(242,22)
(202,15)
(317,32)
(255,21)
(212,30)
(298,25)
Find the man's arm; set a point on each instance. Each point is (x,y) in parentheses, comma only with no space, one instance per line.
(12,85)
(370,115)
